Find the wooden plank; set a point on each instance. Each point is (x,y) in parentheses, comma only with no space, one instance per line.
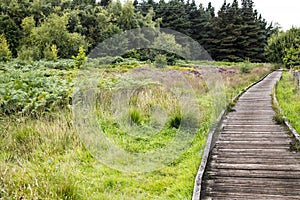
(252,157)
(282,155)
(251,142)
(254,180)
(254,173)
(271,167)
(254,160)
(258,189)
(257,138)
(256,150)
(222,195)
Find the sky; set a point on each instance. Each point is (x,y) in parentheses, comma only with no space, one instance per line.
(284,12)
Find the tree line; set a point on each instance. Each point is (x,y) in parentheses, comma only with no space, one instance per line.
(37,29)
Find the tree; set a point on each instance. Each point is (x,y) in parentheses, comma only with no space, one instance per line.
(5,53)
(227,28)
(12,32)
(173,16)
(127,19)
(236,34)
(284,47)
(292,57)
(80,58)
(53,31)
(250,44)
(105,3)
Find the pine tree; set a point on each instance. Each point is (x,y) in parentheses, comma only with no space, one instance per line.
(5,53)
(249,42)
(174,16)
(10,29)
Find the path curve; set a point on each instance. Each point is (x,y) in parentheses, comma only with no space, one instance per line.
(252,158)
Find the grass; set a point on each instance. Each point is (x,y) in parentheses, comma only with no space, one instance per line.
(43,157)
(288,95)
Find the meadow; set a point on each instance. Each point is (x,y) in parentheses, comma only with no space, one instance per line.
(43,157)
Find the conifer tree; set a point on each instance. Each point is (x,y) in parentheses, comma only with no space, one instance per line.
(5,53)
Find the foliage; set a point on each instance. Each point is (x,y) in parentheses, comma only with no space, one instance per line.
(238,32)
(32,89)
(80,58)
(284,47)
(51,53)
(245,67)
(292,57)
(5,53)
(53,31)
(31,27)
(160,61)
(10,29)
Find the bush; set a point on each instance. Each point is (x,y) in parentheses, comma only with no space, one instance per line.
(246,67)
(29,54)
(160,61)
(117,60)
(50,53)
(80,58)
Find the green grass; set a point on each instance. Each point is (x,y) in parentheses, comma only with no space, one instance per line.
(42,156)
(288,95)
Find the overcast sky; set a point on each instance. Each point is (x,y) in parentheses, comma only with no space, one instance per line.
(284,12)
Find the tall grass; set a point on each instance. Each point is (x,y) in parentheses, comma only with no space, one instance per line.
(288,95)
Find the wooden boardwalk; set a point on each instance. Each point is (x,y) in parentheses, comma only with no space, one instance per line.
(252,158)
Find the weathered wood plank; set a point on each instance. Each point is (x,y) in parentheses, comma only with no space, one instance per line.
(239,195)
(254,160)
(254,173)
(269,166)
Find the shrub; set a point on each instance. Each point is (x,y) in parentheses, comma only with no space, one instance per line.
(50,53)
(80,58)
(245,67)
(118,60)
(29,53)
(160,61)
